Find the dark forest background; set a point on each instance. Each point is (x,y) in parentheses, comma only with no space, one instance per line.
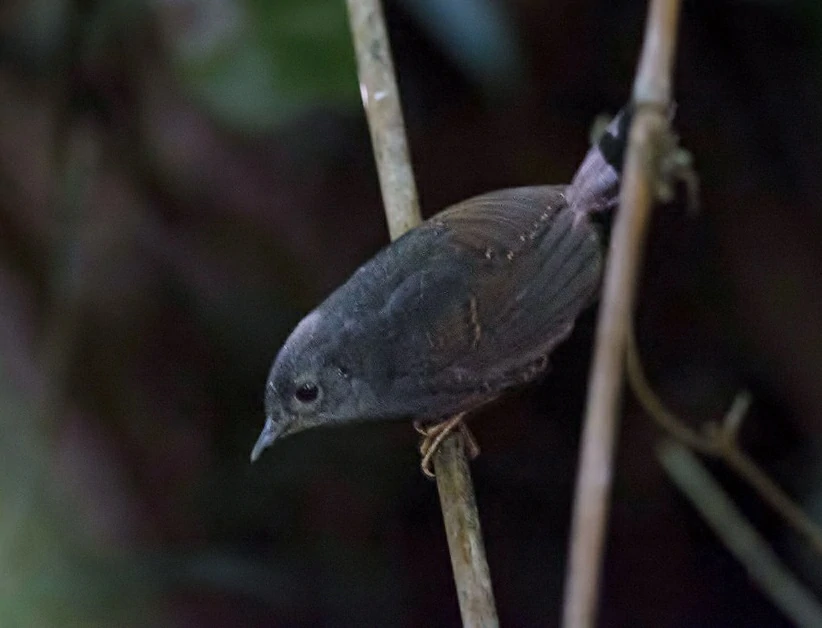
(181,180)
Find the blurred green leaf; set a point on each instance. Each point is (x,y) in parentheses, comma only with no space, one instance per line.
(257,64)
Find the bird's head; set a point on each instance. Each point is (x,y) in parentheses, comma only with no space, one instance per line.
(312,381)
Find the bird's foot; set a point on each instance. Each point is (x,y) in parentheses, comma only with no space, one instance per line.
(434,434)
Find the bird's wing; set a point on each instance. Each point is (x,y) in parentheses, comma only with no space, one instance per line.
(509,275)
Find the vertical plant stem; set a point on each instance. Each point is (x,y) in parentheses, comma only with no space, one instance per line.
(459,510)
(381,101)
(651,97)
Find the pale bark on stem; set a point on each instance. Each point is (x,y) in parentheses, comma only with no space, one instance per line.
(381,100)
(652,98)
(459,510)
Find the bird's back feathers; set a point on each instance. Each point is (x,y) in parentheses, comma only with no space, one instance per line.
(486,289)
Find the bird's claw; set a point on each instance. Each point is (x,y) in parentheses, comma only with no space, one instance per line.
(433,435)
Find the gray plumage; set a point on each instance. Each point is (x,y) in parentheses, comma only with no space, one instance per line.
(458,309)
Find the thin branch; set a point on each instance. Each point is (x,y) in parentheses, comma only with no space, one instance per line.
(739,536)
(459,510)
(652,98)
(381,101)
(721,442)
(653,404)
(773,495)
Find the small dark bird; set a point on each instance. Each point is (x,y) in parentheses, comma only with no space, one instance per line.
(455,311)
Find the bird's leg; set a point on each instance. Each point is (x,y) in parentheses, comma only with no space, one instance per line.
(433,435)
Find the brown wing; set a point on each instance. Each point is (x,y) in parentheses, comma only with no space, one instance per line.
(511,273)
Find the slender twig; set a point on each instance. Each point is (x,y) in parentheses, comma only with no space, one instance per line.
(459,509)
(652,97)
(721,442)
(739,536)
(381,101)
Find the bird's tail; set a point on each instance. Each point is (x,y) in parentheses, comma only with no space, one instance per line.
(595,186)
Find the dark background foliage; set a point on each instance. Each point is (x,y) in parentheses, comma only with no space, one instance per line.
(180,181)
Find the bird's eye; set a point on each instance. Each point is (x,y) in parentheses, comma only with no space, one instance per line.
(307,392)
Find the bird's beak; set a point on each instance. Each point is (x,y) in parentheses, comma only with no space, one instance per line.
(269,434)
